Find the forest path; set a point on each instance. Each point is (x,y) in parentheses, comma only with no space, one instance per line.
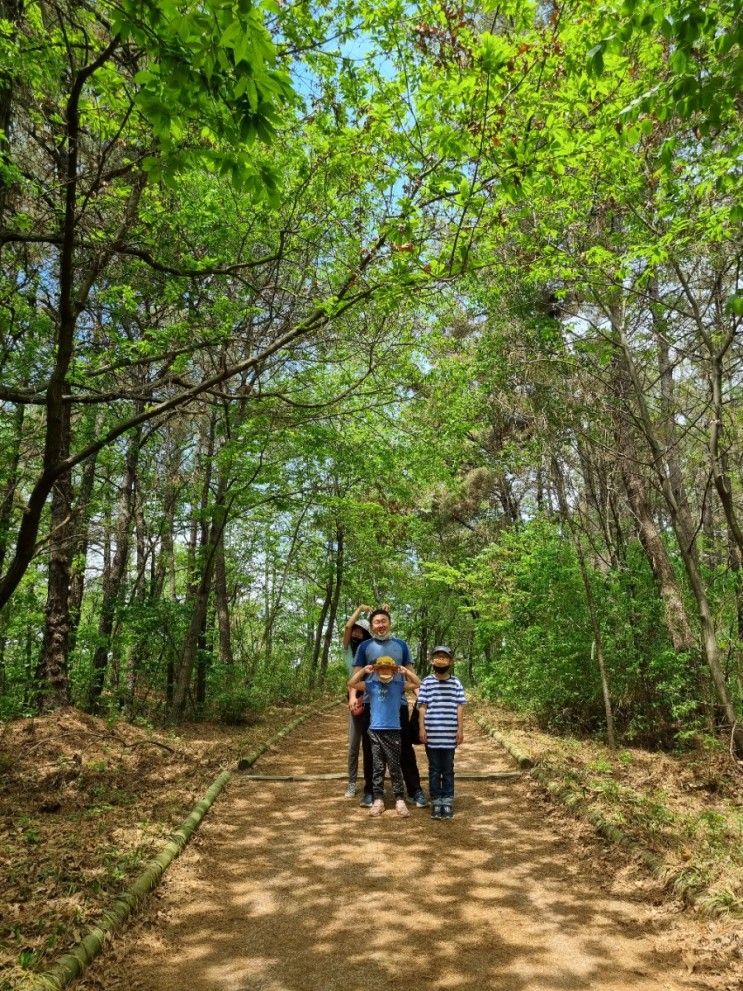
(291,887)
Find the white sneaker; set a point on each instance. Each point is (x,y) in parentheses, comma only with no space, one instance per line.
(377,807)
(401,808)
(351,790)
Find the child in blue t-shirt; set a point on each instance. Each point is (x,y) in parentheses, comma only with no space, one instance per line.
(440,705)
(384,684)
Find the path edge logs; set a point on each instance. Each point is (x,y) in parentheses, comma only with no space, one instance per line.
(522,759)
(73,964)
(681,883)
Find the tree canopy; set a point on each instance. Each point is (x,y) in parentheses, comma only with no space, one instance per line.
(309,305)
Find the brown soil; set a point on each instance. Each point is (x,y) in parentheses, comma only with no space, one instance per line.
(291,887)
(83,805)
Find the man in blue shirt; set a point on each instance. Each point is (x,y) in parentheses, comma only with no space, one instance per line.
(383,644)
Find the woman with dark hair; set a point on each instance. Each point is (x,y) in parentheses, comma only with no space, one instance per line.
(355,632)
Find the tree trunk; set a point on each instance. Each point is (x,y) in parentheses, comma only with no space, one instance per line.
(165,567)
(273,601)
(717,345)
(202,664)
(595,489)
(540,490)
(52,669)
(165,564)
(189,656)
(113,577)
(222,604)
(676,617)
(197,595)
(597,646)
(57,428)
(199,607)
(6,515)
(734,563)
(212,533)
(719,459)
(686,541)
(11,483)
(318,638)
(669,435)
(80,549)
(139,596)
(471,657)
(423,641)
(330,630)
(57,434)
(199,523)
(309,627)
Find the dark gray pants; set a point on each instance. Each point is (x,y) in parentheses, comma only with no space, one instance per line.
(409,764)
(385,746)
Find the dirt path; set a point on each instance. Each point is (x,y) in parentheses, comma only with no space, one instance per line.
(291,887)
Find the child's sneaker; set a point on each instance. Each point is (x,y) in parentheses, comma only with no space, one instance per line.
(367,800)
(351,790)
(420,799)
(436,811)
(377,807)
(401,808)
(447,811)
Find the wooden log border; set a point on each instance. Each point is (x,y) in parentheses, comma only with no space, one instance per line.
(521,757)
(72,965)
(683,882)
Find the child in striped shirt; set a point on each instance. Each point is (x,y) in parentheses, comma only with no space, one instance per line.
(440,705)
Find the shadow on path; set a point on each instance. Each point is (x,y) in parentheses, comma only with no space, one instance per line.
(291,887)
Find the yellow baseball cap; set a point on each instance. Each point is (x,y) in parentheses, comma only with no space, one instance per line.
(385,667)
(385,662)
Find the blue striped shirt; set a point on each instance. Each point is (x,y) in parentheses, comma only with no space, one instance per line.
(441,699)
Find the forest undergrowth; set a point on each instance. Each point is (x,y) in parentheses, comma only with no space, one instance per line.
(683,811)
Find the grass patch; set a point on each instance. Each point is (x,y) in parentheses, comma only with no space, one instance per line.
(679,812)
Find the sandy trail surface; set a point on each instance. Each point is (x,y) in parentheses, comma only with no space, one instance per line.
(291,887)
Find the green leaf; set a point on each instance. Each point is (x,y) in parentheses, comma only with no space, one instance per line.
(596,60)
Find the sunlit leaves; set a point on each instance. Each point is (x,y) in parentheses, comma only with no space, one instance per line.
(215,69)
(702,49)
